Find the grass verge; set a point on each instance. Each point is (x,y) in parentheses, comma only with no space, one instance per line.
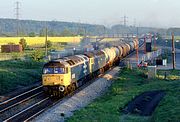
(16,73)
(129,84)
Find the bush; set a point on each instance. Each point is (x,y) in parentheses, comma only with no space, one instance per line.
(37,55)
(49,44)
(16,56)
(32,34)
(23,43)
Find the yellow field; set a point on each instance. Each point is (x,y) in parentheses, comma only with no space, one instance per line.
(38,40)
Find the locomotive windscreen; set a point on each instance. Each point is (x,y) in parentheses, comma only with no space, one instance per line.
(54,68)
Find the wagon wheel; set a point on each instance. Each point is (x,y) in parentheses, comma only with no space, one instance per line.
(65,93)
(74,86)
(69,89)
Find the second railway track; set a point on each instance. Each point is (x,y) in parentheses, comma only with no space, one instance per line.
(33,110)
(28,105)
(17,103)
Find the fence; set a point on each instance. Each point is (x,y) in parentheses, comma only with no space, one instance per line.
(151,55)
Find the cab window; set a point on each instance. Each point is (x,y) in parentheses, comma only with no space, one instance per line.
(48,70)
(53,70)
(58,70)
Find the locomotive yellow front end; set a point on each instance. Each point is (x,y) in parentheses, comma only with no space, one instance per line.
(56,76)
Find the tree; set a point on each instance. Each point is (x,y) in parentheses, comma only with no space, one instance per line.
(42,33)
(66,32)
(23,43)
(52,33)
(32,34)
(49,44)
(80,32)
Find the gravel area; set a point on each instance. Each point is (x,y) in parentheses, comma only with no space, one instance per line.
(66,107)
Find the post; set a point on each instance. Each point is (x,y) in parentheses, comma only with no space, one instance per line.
(144,45)
(137,53)
(96,44)
(154,42)
(173,51)
(137,31)
(46,41)
(104,31)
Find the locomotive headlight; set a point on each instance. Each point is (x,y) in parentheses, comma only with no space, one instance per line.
(61,88)
(55,83)
(44,79)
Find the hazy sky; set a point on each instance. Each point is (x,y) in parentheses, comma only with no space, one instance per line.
(161,13)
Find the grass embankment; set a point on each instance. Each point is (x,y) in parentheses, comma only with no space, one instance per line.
(124,89)
(15,74)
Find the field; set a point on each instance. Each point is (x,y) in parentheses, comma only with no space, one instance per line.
(175,37)
(125,87)
(38,40)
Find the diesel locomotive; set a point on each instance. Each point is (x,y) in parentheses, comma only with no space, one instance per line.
(64,75)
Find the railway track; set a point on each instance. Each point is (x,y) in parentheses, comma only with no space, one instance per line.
(20,102)
(37,108)
(29,111)
(19,98)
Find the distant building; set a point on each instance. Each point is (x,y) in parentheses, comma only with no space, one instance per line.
(11,48)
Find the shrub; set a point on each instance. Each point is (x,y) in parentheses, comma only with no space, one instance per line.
(37,55)
(32,34)
(16,56)
(49,44)
(23,43)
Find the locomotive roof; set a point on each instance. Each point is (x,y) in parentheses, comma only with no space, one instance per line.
(56,63)
(73,60)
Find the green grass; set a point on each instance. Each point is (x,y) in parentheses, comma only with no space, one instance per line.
(176,37)
(17,73)
(124,89)
(170,74)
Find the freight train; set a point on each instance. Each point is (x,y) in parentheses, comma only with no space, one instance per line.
(62,76)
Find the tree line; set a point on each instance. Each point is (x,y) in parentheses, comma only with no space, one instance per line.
(8,27)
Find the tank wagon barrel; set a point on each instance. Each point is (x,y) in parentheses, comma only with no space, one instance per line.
(64,75)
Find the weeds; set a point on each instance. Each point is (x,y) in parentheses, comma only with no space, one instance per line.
(16,73)
(129,84)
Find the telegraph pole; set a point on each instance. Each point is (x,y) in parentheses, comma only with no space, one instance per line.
(173,51)
(46,40)
(104,29)
(137,31)
(17,17)
(137,52)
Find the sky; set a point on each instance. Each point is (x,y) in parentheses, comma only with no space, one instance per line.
(149,13)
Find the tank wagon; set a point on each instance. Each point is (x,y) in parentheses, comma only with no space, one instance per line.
(63,76)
